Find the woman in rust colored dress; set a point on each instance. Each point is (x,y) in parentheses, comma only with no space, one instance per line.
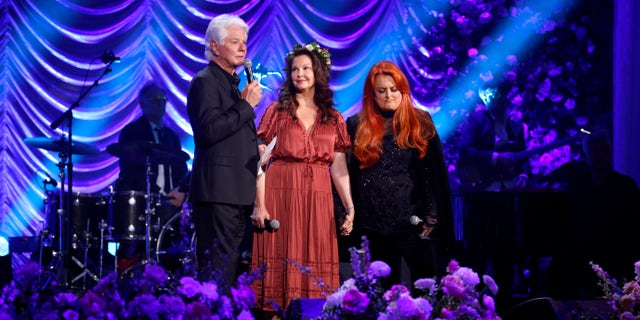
(296,188)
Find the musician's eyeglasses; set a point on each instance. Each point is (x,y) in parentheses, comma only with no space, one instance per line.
(157,99)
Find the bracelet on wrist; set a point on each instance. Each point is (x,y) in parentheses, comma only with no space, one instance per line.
(348,209)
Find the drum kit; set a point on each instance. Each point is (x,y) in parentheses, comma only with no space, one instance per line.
(97,222)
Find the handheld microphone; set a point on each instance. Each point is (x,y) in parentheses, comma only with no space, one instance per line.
(271,225)
(414,220)
(109,57)
(50,180)
(247,70)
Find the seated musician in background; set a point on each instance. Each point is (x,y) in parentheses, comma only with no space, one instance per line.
(169,180)
(601,222)
(490,137)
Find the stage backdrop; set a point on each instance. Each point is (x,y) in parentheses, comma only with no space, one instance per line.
(556,55)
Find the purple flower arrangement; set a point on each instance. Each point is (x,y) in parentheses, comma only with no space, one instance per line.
(148,293)
(455,296)
(624,301)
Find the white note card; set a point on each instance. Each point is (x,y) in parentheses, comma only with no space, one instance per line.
(266,155)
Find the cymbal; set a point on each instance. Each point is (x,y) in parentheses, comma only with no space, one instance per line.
(143,151)
(60,145)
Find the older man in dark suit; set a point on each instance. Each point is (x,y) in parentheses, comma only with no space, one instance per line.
(223,184)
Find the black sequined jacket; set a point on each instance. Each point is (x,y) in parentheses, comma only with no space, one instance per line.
(401,185)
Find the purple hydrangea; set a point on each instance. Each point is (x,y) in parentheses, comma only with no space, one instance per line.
(453,286)
(379,269)
(197,310)
(468,276)
(425,284)
(243,296)
(155,274)
(355,302)
(210,291)
(144,306)
(189,287)
(172,307)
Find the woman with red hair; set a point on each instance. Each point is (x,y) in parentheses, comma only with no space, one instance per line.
(399,177)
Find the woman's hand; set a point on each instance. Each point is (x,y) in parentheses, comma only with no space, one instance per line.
(347,225)
(258,216)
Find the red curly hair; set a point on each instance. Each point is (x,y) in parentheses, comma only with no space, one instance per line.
(412,128)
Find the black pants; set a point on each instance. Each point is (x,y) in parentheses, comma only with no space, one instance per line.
(417,253)
(223,232)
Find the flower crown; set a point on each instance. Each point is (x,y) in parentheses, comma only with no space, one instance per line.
(322,53)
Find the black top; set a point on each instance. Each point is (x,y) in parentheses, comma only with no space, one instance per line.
(387,194)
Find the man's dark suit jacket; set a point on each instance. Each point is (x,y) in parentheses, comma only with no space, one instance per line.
(478,143)
(133,174)
(226,149)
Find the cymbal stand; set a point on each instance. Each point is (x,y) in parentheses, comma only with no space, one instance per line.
(65,243)
(59,262)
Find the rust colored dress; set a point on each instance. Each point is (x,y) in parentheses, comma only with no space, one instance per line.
(298,194)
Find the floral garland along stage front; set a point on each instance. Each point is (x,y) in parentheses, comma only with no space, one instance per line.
(452,297)
(152,294)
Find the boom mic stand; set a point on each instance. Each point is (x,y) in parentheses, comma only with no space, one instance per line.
(64,214)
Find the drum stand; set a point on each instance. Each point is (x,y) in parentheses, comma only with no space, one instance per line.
(57,265)
(103,225)
(43,236)
(83,264)
(45,233)
(148,212)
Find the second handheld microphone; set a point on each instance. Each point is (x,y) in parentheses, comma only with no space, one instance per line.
(247,70)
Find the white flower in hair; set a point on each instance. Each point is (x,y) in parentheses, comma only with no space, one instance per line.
(322,53)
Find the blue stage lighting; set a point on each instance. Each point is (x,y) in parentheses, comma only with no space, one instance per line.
(4,246)
(6,269)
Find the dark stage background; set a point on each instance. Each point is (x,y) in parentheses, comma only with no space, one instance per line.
(558,55)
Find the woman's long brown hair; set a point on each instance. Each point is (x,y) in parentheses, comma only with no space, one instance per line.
(412,128)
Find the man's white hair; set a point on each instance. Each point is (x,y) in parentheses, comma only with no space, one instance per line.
(217,30)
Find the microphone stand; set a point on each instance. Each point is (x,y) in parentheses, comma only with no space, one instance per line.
(65,221)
